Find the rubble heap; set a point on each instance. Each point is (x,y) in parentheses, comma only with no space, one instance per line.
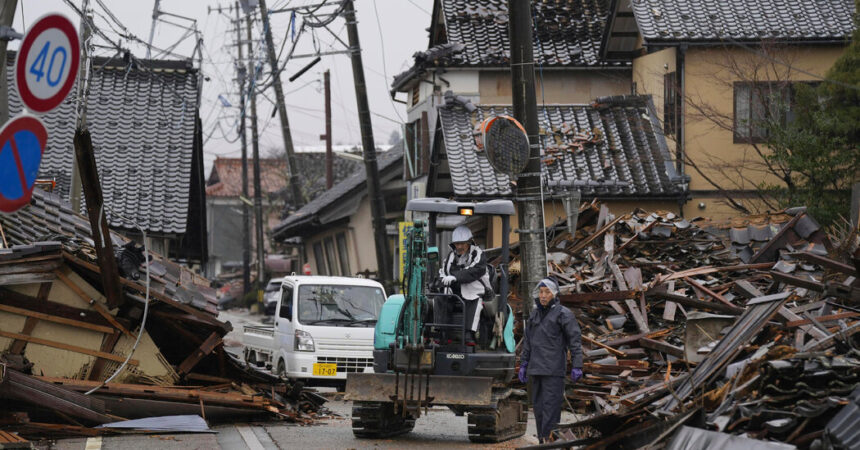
(696,329)
(70,361)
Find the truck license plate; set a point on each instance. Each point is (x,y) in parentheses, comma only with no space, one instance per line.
(325,370)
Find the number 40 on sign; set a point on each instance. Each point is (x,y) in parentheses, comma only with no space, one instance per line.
(47,63)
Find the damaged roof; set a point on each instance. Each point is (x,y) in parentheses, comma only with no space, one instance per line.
(475,34)
(616,142)
(225,179)
(142,122)
(743,20)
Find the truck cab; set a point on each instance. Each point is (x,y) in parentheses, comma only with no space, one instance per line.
(322,330)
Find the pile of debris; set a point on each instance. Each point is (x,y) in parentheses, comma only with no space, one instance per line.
(706,330)
(71,360)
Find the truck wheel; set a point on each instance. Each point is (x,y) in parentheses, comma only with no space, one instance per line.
(378,420)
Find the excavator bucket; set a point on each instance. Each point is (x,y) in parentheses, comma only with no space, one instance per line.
(444,389)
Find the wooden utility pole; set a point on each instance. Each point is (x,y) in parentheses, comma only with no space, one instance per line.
(7,15)
(529,214)
(374,190)
(241,72)
(292,169)
(255,142)
(329,170)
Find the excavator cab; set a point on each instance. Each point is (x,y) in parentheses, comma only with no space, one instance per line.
(421,357)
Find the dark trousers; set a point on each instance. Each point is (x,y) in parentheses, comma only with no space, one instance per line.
(547,392)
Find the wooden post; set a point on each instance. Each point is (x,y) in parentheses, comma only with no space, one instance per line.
(86,162)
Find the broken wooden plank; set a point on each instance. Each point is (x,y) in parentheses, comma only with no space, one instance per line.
(64,346)
(661,346)
(823,261)
(695,303)
(604,346)
(827,318)
(637,316)
(55,319)
(707,291)
(205,348)
(582,244)
(636,236)
(592,297)
(92,302)
(108,345)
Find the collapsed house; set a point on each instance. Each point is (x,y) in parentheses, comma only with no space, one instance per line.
(705,334)
(159,352)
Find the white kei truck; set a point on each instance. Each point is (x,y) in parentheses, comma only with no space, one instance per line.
(323,329)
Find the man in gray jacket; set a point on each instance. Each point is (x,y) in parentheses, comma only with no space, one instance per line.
(551,331)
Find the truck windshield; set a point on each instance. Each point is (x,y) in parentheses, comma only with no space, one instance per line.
(339,304)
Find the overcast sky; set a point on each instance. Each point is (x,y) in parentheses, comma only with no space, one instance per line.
(402,23)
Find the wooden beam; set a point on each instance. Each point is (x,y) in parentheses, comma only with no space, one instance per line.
(18,345)
(801,322)
(579,246)
(696,303)
(19,300)
(85,157)
(661,346)
(108,345)
(205,348)
(55,319)
(707,291)
(63,346)
(92,302)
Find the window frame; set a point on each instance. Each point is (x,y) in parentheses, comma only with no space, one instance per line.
(319,257)
(755,88)
(331,255)
(342,248)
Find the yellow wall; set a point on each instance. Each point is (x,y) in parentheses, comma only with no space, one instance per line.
(648,72)
(581,86)
(709,76)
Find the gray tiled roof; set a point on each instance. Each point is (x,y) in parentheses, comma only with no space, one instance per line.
(631,149)
(142,124)
(744,20)
(385,161)
(566,33)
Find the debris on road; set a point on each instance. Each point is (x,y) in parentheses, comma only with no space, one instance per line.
(742,327)
(69,362)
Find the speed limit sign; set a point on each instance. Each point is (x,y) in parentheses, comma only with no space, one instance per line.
(47,63)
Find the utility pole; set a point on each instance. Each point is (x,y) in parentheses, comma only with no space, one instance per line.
(75,185)
(292,169)
(329,170)
(155,14)
(241,71)
(374,190)
(255,142)
(7,15)
(530,217)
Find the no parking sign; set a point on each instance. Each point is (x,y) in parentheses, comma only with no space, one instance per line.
(22,142)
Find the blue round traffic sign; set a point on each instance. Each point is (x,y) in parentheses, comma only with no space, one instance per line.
(22,143)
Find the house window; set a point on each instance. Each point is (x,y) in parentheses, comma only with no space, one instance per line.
(343,254)
(331,261)
(757,105)
(320,259)
(671,103)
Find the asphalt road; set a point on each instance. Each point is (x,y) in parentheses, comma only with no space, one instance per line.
(438,429)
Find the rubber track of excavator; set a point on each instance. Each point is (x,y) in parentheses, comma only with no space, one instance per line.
(378,420)
(507,421)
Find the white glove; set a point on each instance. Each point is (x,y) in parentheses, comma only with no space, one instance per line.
(447,280)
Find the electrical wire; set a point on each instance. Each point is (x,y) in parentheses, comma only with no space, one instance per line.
(384,65)
(540,142)
(145,303)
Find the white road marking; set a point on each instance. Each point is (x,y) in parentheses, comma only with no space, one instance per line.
(94,443)
(250,438)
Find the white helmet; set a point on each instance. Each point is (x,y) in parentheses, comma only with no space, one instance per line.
(461,234)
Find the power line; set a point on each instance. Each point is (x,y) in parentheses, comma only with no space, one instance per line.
(384,65)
